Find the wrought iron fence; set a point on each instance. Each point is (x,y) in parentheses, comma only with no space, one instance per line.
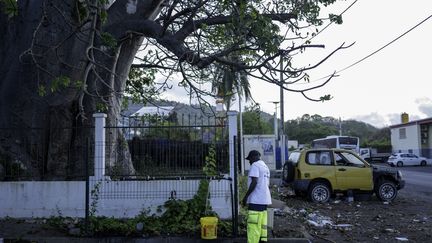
(161,147)
(41,154)
(145,146)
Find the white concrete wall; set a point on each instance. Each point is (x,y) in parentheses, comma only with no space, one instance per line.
(412,140)
(42,199)
(292,143)
(121,199)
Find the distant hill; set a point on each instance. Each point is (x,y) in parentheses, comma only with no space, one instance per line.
(307,128)
(310,127)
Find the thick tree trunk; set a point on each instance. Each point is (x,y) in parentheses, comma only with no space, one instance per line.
(43,130)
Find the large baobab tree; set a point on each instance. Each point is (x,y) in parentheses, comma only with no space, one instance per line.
(61,61)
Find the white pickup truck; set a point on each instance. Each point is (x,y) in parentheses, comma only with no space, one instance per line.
(371,154)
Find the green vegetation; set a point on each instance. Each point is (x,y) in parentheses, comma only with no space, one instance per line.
(254,123)
(175,216)
(306,128)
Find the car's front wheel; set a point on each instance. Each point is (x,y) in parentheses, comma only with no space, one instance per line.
(423,163)
(399,164)
(386,190)
(319,192)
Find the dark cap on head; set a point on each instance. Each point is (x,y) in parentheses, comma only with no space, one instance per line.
(253,154)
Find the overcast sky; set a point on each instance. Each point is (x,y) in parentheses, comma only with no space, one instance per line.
(397,79)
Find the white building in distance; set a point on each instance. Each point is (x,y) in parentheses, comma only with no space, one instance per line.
(412,137)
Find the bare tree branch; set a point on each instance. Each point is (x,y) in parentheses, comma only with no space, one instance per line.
(192,26)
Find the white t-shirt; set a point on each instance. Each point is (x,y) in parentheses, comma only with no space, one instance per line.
(261,194)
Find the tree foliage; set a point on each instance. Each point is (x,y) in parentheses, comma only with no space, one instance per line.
(194,39)
(253,123)
(306,128)
(62,61)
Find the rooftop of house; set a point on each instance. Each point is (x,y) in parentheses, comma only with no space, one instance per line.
(153,110)
(426,121)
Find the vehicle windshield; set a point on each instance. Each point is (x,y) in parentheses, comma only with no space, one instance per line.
(348,140)
(294,157)
(348,159)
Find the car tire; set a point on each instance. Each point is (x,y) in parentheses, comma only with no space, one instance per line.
(386,190)
(319,192)
(399,164)
(423,163)
(288,172)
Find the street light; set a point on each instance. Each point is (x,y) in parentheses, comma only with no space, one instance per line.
(275,127)
(275,119)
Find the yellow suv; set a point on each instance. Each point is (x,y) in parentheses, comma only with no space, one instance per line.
(321,172)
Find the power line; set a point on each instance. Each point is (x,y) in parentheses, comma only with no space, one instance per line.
(378,50)
(331,22)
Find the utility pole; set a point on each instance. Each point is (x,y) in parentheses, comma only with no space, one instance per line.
(241,137)
(282,126)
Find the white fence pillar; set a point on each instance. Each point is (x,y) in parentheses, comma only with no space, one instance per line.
(99,155)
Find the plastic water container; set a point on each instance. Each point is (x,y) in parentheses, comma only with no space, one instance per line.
(209,228)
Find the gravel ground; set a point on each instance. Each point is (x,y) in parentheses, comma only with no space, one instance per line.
(408,218)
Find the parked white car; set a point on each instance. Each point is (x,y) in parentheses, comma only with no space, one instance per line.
(403,159)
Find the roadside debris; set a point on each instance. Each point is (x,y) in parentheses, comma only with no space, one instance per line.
(389,230)
(401,238)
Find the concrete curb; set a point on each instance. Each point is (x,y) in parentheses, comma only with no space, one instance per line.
(142,240)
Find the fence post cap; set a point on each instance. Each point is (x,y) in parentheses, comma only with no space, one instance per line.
(99,115)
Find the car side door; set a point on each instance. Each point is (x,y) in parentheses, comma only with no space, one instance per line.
(414,159)
(318,165)
(406,160)
(352,172)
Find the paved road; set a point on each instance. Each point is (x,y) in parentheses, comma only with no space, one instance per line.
(418,181)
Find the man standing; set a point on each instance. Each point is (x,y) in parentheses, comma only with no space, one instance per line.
(257,198)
